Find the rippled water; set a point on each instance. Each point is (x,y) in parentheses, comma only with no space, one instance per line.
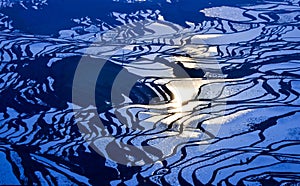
(153,92)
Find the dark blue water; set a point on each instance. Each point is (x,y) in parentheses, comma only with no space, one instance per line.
(103,92)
